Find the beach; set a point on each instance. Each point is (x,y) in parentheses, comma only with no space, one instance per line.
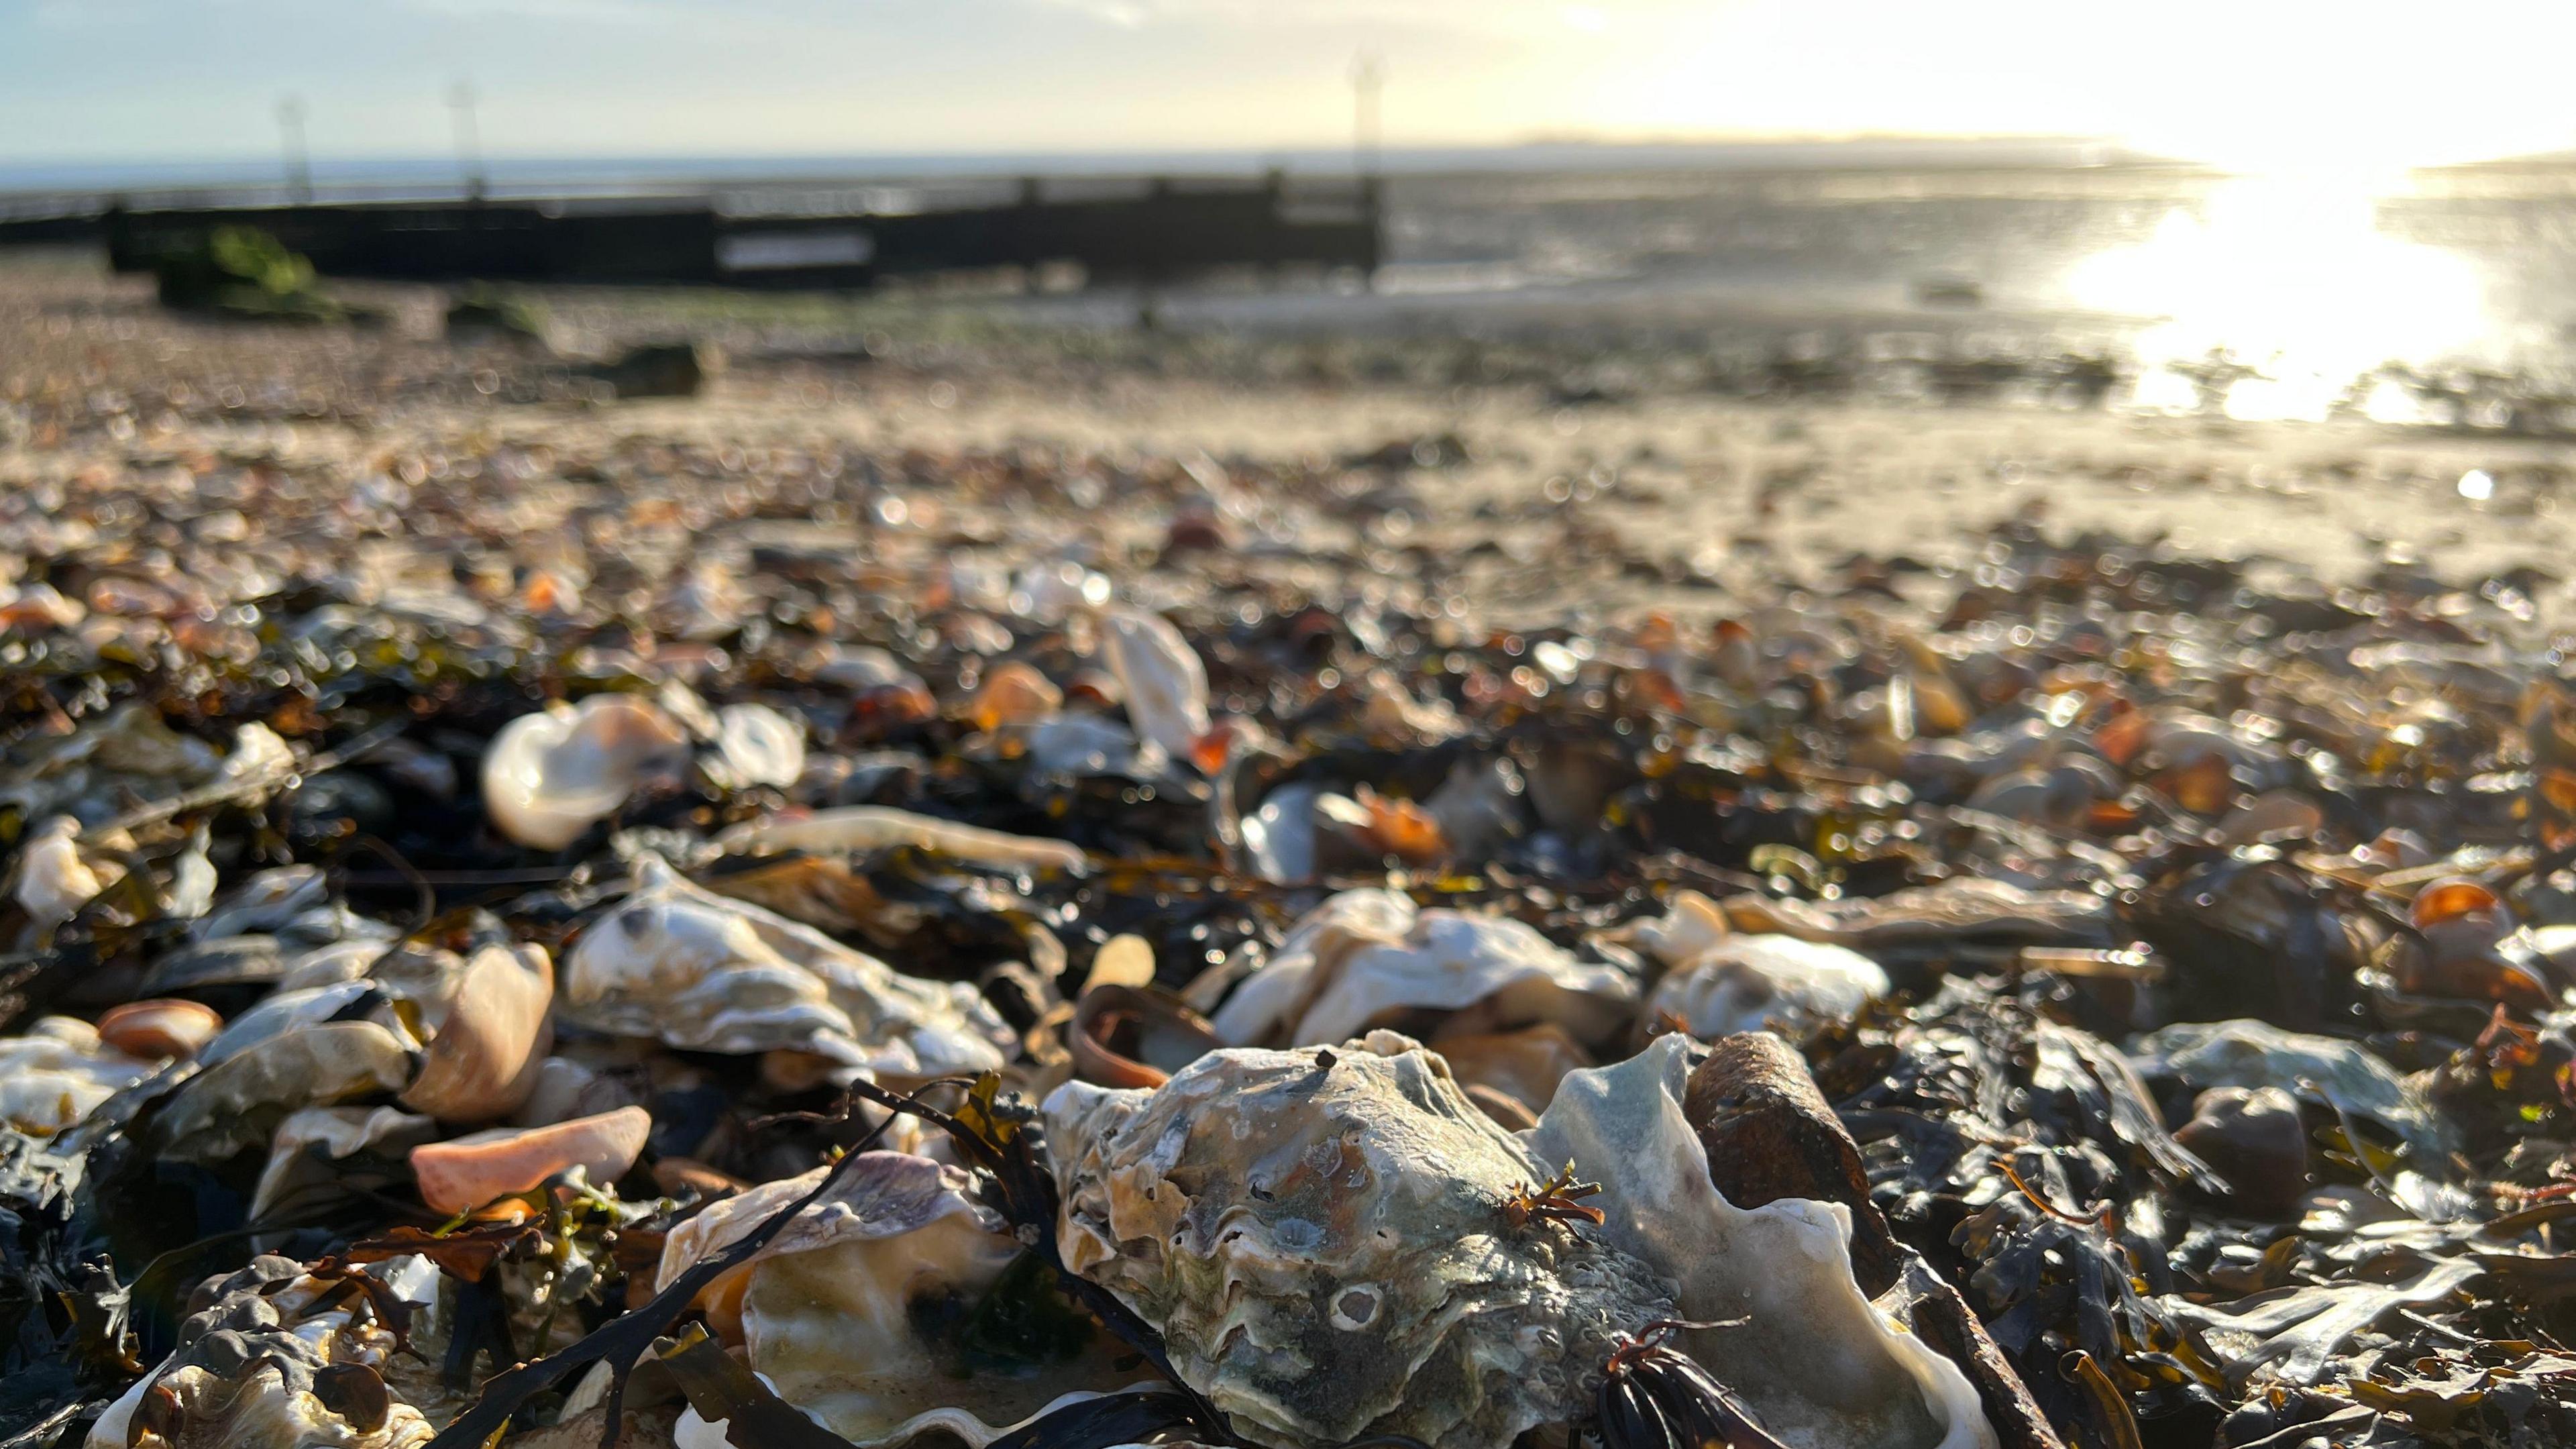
(1658,493)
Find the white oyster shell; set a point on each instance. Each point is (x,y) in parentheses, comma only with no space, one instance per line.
(1819,1365)
(549,776)
(699,971)
(1165,683)
(1365,954)
(1743,982)
(832,1310)
(58,1073)
(53,882)
(1320,1238)
(756,745)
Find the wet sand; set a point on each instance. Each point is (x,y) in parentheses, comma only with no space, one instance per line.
(1657,495)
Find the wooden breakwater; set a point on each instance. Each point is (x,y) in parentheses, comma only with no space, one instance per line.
(1157,230)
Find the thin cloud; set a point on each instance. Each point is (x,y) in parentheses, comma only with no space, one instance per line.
(1490,15)
(587,10)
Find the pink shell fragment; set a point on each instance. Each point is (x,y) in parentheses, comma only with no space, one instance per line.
(474,1169)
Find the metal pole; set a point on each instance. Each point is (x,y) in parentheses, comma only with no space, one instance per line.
(1368,78)
(299,166)
(469,142)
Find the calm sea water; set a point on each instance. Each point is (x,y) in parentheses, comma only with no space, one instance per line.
(2053,272)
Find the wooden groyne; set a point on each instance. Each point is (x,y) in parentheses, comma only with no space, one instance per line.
(1157,230)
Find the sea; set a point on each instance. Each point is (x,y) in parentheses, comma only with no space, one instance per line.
(2054,273)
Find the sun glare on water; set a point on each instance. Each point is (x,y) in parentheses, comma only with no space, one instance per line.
(2290,276)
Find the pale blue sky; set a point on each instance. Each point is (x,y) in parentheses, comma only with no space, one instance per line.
(2365,81)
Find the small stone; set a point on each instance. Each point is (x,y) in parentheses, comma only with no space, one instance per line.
(160,1029)
(2254,1139)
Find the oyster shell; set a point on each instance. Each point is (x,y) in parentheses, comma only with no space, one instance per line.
(549,776)
(1367,954)
(1320,1238)
(296,1049)
(854,1311)
(53,882)
(264,1368)
(1165,683)
(755,745)
(102,767)
(263,903)
(1818,1363)
(1744,982)
(701,972)
(296,1170)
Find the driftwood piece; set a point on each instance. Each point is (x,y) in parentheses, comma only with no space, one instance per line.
(1770,1134)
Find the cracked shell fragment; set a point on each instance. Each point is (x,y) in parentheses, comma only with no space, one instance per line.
(701,972)
(1820,1365)
(1320,1238)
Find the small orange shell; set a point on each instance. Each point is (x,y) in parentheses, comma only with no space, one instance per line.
(1403,829)
(159,1029)
(2120,736)
(1014,693)
(2449,899)
(2203,787)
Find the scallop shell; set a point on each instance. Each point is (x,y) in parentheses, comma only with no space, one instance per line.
(698,971)
(1821,1367)
(837,1311)
(1366,954)
(1165,683)
(1320,1238)
(550,776)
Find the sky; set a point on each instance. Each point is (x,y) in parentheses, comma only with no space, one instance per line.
(2248,83)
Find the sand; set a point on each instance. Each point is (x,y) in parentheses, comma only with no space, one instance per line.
(1666,496)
